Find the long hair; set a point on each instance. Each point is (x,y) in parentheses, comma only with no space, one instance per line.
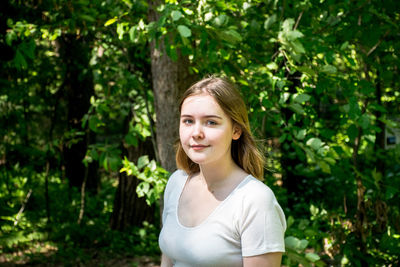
(244,151)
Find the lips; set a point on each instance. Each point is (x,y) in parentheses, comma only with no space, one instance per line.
(198,147)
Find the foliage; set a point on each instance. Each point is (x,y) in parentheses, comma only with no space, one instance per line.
(64,239)
(319,78)
(153,178)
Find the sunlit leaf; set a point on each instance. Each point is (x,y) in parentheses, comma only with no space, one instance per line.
(176,15)
(269,21)
(143,161)
(110,21)
(314,143)
(300,98)
(329,69)
(184,31)
(312,257)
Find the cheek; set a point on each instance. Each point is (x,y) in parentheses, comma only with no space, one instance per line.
(182,134)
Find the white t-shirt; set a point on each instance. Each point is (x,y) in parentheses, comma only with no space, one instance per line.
(248,222)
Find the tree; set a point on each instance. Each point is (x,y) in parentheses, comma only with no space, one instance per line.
(170,78)
(78,85)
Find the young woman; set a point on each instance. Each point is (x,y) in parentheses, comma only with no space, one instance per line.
(216,213)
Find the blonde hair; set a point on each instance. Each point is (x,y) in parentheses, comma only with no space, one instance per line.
(244,151)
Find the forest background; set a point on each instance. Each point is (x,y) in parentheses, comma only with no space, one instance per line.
(88,119)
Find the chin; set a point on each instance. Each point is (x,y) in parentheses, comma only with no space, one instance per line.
(197,160)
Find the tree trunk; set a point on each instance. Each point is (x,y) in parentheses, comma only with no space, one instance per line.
(130,210)
(381,207)
(170,79)
(78,84)
(292,181)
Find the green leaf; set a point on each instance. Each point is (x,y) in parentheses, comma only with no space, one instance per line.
(344,45)
(131,139)
(132,33)
(87,18)
(115,163)
(329,69)
(297,47)
(303,244)
(184,31)
(220,20)
(28,48)
(19,60)
(301,134)
(208,16)
(188,11)
(143,161)
(352,132)
(230,36)
(293,35)
(292,242)
(324,166)
(110,21)
(282,138)
(302,98)
(312,257)
(287,25)
(364,121)
(10,37)
(314,143)
(290,221)
(314,210)
(94,154)
(306,70)
(105,163)
(297,108)
(269,21)
(284,97)
(176,15)
(171,51)
(153,165)
(354,108)
(120,30)
(272,66)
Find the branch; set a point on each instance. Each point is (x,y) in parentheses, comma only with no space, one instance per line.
(298,20)
(377,44)
(21,210)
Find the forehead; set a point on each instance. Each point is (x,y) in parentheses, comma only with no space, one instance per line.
(199,100)
(203,103)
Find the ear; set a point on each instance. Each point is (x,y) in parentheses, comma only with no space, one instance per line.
(237,132)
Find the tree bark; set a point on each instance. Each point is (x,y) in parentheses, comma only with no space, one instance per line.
(130,210)
(170,79)
(78,85)
(292,181)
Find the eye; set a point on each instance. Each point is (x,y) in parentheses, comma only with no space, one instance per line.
(187,121)
(211,123)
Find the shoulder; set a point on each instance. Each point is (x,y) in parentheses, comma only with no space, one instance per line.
(174,186)
(258,206)
(177,178)
(254,191)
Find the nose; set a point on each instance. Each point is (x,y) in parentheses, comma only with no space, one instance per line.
(197,131)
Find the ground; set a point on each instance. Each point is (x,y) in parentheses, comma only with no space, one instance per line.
(96,259)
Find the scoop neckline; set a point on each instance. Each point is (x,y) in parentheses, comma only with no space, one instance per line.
(212,213)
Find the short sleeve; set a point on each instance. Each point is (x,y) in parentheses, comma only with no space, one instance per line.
(171,189)
(262,223)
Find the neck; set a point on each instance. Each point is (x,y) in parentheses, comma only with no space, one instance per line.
(217,174)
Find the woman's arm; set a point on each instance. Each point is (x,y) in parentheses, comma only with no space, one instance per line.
(265,260)
(165,261)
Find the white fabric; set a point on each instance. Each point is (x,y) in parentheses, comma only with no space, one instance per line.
(248,222)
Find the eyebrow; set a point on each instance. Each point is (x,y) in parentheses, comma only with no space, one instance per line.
(206,116)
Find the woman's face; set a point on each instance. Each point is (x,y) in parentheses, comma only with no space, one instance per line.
(205,131)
